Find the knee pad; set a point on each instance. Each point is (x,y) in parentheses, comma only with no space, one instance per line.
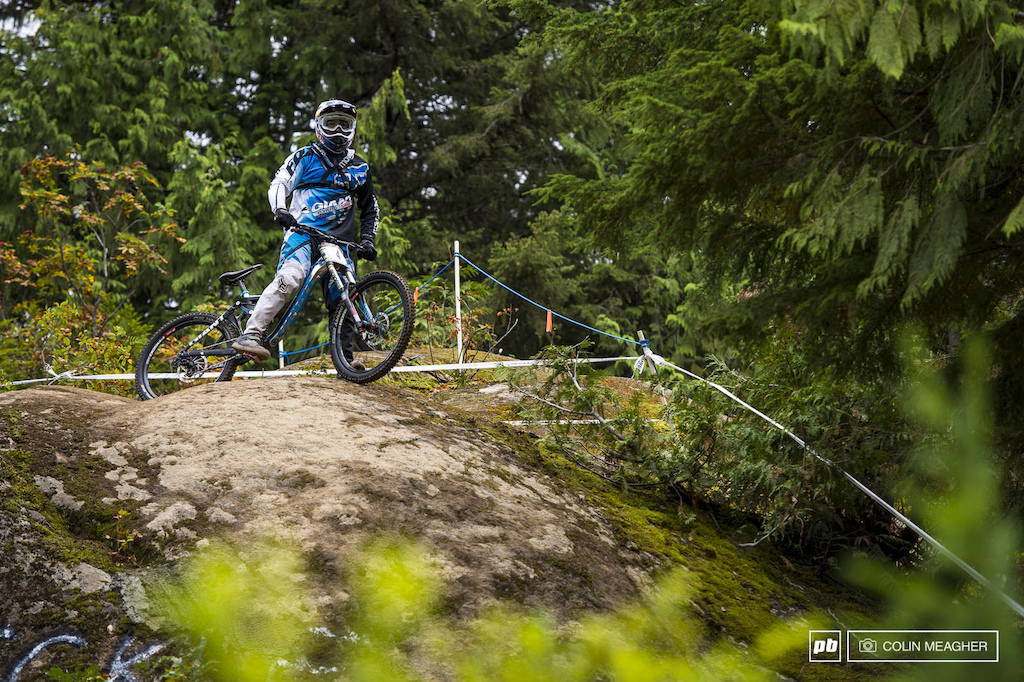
(289,280)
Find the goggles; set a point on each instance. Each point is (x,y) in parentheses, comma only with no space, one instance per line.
(334,123)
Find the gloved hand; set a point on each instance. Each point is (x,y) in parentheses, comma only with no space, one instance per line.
(366,250)
(285,219)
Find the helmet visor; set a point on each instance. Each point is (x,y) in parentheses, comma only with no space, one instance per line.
(337,123)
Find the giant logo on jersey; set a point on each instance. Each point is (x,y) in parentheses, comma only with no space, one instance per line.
(320,208)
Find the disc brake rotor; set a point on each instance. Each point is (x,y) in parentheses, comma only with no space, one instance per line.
(191,369)
(377,332)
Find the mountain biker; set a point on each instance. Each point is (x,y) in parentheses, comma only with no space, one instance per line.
(327,182)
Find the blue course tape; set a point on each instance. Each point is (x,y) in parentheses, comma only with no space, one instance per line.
(437,274)
(486,274)
(558,315)
(286,355)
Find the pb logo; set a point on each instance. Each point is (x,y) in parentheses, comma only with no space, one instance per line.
(824,646)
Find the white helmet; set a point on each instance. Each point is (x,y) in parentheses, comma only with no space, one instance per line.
(335,125)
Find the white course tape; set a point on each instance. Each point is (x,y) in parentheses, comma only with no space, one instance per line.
(531,422)
(967,568)
(275,373)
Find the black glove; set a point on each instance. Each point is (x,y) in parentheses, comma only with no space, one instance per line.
(285,219)
(366,250)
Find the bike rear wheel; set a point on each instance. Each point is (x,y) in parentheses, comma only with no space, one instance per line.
(385,303)
(175,356)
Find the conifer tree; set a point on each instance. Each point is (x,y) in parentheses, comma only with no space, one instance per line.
(211,96)
(851,166)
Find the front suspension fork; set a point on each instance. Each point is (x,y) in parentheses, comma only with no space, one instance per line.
(344,286)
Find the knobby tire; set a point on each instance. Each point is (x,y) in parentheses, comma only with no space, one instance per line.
(390,301)
(159,353)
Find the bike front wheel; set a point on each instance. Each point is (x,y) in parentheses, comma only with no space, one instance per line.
(366,351)
(189,350)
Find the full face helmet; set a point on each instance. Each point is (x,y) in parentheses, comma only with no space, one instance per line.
(335,125)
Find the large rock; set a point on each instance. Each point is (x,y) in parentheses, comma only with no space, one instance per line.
(323,463)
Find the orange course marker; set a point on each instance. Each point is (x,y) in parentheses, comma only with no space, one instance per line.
(416,296)
(549,322)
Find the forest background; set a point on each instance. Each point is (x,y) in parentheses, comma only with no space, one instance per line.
(818,202)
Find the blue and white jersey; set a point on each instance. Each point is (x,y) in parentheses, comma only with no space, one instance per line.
(326,191)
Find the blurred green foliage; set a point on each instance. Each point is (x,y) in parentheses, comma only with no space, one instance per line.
(954,493)
(247,607)
(243,607)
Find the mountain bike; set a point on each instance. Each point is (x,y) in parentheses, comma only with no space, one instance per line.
(376,313)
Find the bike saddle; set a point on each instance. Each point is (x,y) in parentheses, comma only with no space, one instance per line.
(230,279)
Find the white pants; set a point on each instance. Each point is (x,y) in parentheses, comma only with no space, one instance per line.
(292,270)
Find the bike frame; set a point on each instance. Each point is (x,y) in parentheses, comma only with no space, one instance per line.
(344,280)
(245,303)
(316,271)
